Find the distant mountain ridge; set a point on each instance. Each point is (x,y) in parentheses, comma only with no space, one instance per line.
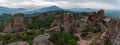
(82,10)
(22,10)
(11,10)
(45,9)
(109,13)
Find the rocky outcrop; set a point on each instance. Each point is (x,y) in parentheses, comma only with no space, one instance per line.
(91,20)
(18,25)
(29,21)
(19,43)
(7,26)
(110,34)
(57,21)
(99,42)
(117,39)
(72,21)
(42,40)
(113,30)
(41,17)
(45,15)
(100,16)
(80,18)
(1,42)
(66,22)
(56,24)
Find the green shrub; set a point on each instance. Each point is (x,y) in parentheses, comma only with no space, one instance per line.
(107,24)
(76,24)
(63,38)
(37,24)
(24,37)
(1,26)
(5,37)
(96,30)
(107,42)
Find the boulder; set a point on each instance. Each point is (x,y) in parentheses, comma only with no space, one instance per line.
(42,40)
(19,43)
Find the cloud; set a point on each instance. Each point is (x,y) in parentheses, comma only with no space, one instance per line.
(96,4)
(24,3)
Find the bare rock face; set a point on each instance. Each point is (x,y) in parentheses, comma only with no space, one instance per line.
(100,15)
(110,33)
(30,21)
(72,21)
(57,21)
(66,23)
(112,29)
(42,40)
(100,19)
(91,20)
(83,42)
(19,43)
(7,26)
(18,25)
(99,42)
(117,40)
(41,17)
(1,42)
(79,18)
(92,16)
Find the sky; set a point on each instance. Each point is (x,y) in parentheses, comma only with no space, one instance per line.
(95,4)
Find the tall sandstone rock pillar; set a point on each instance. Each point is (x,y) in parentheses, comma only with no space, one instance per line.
(57,22)
(91,20)
(72,21)
(18,25)
(7,26)
(100,20)
(66,22)
(100,16)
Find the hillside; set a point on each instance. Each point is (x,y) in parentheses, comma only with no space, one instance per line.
(5,16)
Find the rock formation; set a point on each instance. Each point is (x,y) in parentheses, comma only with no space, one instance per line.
(98,42)
(19,43)
(42,40)
(1,42)
(29,21)
(110,34)
(57,21)
(18,25)
(66,23)
(100,15)
(7,26)
(117,40)
(91,20)
(41,17)
(72,21)
(112,30)
(80,18)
